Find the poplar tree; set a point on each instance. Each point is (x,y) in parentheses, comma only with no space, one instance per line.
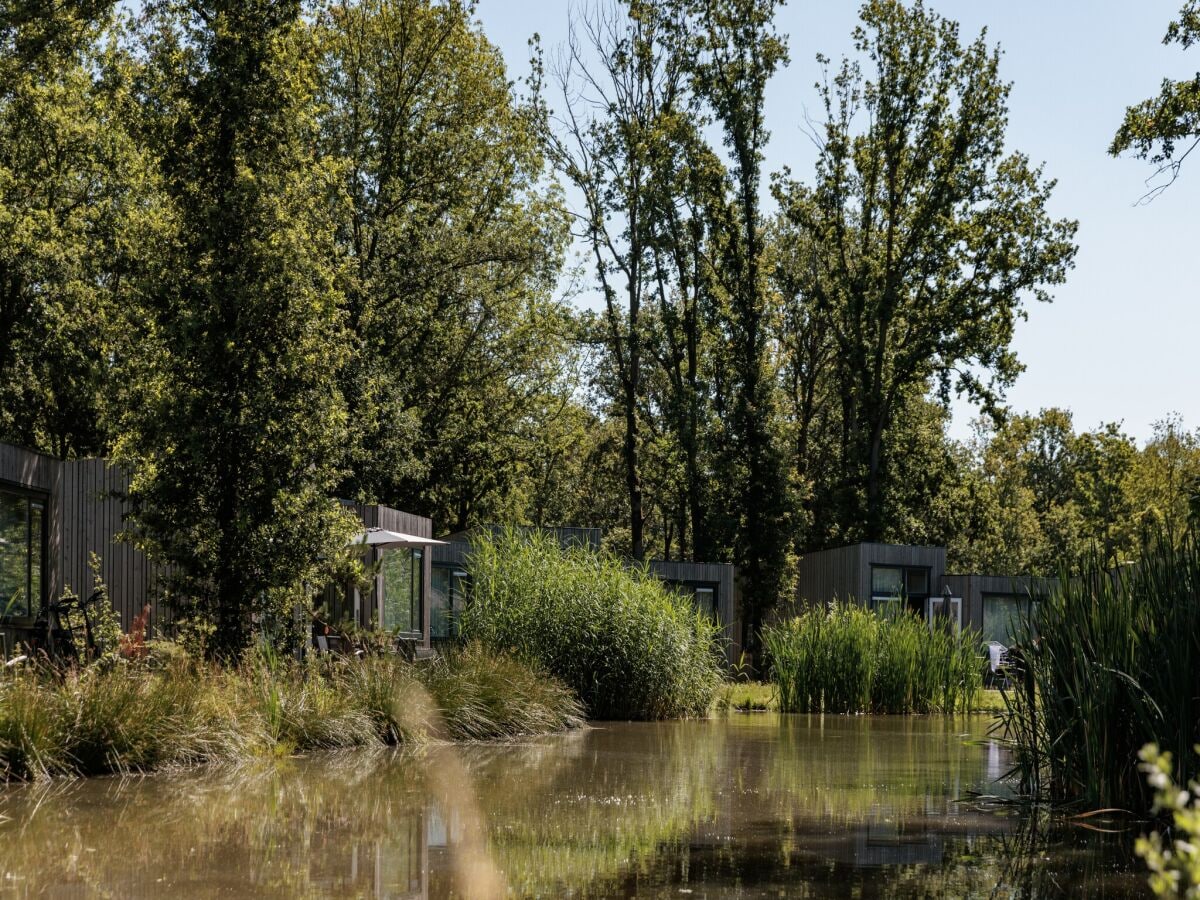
(733,51)
(235,424)
(453,242)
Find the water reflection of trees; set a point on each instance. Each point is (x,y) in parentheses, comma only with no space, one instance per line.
(794,807)
(606,802)
(278,830)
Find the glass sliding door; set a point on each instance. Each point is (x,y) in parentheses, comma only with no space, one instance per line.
(400,606)
(1002,617)
(446,601)
(22,534)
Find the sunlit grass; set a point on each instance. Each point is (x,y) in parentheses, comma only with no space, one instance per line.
(747,696)
(137,717)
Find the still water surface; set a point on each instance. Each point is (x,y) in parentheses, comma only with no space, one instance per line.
(744,806)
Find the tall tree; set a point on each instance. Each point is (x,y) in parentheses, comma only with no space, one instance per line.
(1166,469)
(931,233)
(614,129)
(1166,129)
(454,242)
(235,427)
(690,183)
(1104,464)
(733,51)
(69,182)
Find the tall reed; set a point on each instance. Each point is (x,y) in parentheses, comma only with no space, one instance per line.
(845,659)
(1111,661)
(631,647)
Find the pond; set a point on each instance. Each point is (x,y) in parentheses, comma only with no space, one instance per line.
(741,806)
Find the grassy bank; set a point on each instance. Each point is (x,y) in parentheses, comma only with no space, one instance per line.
(1112,664)
(137,716)
(845,659)
(760,696)
(629,645)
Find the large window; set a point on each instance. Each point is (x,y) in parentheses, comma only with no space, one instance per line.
(1002,616)
(447,598)
(703,595)
(894,586)
(401,575)
(22,534)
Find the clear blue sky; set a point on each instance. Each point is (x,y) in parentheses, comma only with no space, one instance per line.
(1119,343)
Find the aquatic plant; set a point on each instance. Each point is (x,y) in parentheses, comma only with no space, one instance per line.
(136,716)
(1112,662)
(630,646)
(843,658)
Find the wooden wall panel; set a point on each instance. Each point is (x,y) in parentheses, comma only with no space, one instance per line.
(92,520)
(828,575)
(844,573)
(728,595)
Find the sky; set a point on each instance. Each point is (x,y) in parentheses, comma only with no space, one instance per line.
(1119,341)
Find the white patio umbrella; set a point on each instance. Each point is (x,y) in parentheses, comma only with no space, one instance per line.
(382,538)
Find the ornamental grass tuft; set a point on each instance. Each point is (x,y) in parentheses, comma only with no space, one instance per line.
(142,715)
(1109,662)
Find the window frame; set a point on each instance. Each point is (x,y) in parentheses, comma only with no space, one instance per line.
(37,606)
(417,580)
(879,601)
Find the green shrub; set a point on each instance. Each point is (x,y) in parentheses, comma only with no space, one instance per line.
(1112,663)
(629,646)
(843,658)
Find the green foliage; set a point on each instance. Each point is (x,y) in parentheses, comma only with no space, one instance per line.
(747,696)
(1174,866)
(1166,128)
(234,425)
(846,659)
(630,647)
(172,710)
(480,694)
(922,236)
(71,188)
(1033,493)
(453,242)
(1114,663)
(732,51)
(677,241)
